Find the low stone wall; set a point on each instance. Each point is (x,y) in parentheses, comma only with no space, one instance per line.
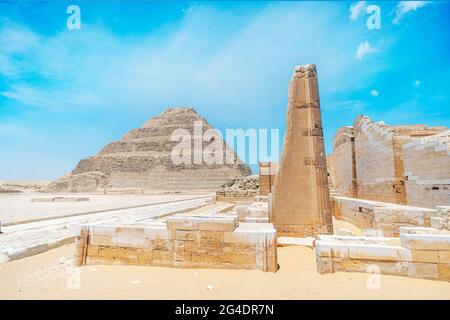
(387,217)
(419,253)
(257,211)
(235,199)
(202,241)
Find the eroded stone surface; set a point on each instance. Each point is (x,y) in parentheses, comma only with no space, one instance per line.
(198,241)
(300,204)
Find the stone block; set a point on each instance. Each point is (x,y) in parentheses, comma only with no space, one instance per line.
(324,264)
(426,241)
(377,252)
(157,233)
(438,222)
(185,235)
(444,257)
(372,233)
(178,222)
(210,236)
(423,256)
(423,270)
(337,250)
(102,240)
(261,199)
(444,271)
(215,223)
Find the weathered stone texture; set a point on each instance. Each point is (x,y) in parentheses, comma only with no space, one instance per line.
(420,255)
(300,204)
(204,241)
(344,173)
(142,159)
(427,170)
(387,217)
(397,164)
(267,173)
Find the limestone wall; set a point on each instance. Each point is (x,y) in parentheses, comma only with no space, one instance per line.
(267,173)
(209,241)
(427,170)
(420,253)
(387,217)
(344,173)
(406,164)
(376,175)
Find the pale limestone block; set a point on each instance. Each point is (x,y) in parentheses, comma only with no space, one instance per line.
(328,249)
(344,232)
(429,256)
(102,241)
(376,252)
(103,230)
(423,270)
(130,232)
(372,232)
(182,222)
(256,212)
(244,237)
(444,271)
(228,223)
(185,235)
(444,256)
(157,233)
(261,199)
(241,211)
(126,240)
(438,222)
(256,220)
(426,241)
(291,241)
(417,230)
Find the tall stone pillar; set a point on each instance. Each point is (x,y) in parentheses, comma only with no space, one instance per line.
(301,198)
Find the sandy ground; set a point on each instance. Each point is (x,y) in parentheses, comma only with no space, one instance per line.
(50,276)
(18,207)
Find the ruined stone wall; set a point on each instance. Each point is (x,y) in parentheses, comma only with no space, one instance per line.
(344,162)
(427,170)
(373,166)
(376,175)
(185,242)
(386,217)
(420,253)
(267,173)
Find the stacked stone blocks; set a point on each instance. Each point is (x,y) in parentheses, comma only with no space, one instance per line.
(421,253)
(185,242)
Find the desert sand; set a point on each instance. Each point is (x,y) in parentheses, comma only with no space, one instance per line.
(50,276)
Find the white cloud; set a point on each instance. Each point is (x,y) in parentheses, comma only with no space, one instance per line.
(405,7)
(363,50)
(417,83)
(374,93)
(356,9)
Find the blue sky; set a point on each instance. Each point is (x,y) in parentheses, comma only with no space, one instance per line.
(66,93)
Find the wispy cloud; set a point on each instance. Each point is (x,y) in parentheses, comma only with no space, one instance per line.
(94,68)
(406,7)
(357,9)
(364,48)
(417,83)
(374,93)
